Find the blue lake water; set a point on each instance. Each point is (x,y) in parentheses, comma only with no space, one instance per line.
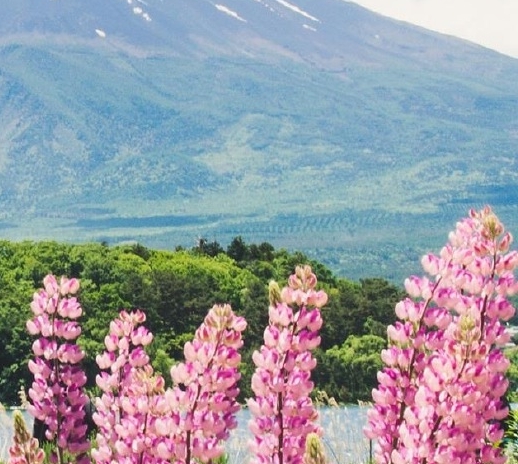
(343,437)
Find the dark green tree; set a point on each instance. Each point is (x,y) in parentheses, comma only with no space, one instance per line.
(238,250)
(348,372)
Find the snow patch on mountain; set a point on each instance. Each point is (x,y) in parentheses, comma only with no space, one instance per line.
(265,5)
(139,10)
(229,12)
(309,28)
(296,9)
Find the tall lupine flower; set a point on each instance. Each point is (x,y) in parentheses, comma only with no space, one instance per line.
(129,389)
(439,398)
(283,413)
(57,394)
(25,449)
(199,411)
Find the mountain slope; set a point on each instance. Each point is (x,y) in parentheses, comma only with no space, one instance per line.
(313,125)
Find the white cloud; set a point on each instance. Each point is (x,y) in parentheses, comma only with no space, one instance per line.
(491,23)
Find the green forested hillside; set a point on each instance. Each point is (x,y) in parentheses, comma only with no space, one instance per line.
(175,289)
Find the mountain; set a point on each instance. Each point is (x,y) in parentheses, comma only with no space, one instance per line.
(314,125)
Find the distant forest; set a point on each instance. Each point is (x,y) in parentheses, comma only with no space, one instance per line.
(176,289)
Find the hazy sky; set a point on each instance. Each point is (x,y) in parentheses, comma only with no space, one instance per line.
(491,23)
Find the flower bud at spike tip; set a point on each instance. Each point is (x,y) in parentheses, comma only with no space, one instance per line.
(314,450)
(274,293)
(25,449)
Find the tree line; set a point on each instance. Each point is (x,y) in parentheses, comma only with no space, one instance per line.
(176,289)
